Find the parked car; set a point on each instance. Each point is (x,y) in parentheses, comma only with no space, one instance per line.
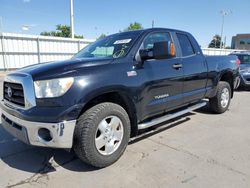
(244,58)
(99,99)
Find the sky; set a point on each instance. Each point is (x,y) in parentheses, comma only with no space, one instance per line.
(202,18)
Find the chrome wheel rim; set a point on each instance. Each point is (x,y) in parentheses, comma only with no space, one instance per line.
(225,97)
(109,135)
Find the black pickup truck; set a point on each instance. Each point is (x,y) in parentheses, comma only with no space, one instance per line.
(96,101)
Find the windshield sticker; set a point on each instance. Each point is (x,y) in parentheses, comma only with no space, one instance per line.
(123,41)
(119,53)
(132,73)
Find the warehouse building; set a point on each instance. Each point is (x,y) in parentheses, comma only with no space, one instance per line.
(241,42)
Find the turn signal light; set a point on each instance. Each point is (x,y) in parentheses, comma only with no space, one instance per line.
(172,49)
(238,62)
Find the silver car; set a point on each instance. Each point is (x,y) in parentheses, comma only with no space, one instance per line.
(244,58)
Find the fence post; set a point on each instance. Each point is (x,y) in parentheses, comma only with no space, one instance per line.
(79,47)
(3,54)
(38,50)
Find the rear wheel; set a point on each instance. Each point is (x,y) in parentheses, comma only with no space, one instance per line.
(102,134)
(221,101)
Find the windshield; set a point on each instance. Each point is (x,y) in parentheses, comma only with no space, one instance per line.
(244,59)
(113,46)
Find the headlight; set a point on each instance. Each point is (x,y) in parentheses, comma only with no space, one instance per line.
(52,88)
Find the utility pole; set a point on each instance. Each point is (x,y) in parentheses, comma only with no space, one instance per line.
(1,24)
(215,41)
(153,23)
(72,19)
(225,41)
(223,13)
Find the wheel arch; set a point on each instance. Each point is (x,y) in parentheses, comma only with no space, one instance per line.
(228,77)
(118,97)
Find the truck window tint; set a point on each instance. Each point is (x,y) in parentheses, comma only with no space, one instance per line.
(244,59)
(186,46)
(155,37)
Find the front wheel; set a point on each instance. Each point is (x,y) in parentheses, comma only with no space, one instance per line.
(221,101)
(102,134)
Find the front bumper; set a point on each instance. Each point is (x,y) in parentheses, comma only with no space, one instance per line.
(28,131)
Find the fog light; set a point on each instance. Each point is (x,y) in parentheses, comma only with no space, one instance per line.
(45,134)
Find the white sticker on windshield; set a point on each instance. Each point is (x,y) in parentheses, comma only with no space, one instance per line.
(123,41)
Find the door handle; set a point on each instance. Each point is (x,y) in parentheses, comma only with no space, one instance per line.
(177,66)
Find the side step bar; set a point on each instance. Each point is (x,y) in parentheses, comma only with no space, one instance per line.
(170,116)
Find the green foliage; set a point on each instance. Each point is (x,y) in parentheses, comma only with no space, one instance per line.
(215,43)
(134,26)
(61,31)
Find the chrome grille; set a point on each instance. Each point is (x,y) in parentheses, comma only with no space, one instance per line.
(13,92)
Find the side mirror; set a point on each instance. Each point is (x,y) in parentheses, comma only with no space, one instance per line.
(163,50)
(160,50)
(146,54)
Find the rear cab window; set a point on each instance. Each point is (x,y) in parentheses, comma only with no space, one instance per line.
(185,45)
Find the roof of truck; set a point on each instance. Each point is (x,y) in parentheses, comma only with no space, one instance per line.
(152,29)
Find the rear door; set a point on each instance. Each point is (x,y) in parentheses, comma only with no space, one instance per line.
(163,86)
(195,70)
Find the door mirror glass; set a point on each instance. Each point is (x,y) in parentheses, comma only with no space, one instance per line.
(146,54)
(163,50)
(160,50)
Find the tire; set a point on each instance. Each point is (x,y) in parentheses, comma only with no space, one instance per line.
(221,101)
(92,127)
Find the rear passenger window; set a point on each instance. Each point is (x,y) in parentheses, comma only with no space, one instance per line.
(186,46)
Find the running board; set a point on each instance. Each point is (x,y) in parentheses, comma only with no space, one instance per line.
(170,116)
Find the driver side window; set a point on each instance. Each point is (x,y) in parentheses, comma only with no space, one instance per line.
(149,41)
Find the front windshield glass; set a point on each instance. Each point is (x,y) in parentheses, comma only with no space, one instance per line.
(244,59)
(113,46)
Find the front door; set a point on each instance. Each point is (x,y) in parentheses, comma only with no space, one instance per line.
(162,89)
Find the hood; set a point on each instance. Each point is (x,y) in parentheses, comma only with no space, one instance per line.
(61,68)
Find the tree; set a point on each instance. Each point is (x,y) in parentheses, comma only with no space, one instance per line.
(215,43)
(134,26)
(61,31)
